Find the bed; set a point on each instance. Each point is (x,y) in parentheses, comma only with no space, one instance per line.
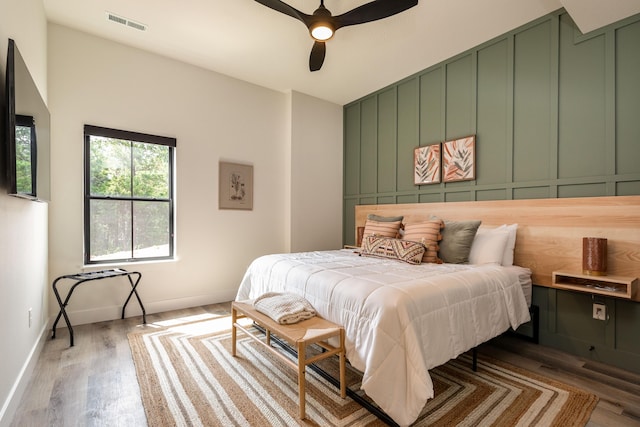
(402,320)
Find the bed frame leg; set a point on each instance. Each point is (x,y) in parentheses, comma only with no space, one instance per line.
(535,316)
(474,363)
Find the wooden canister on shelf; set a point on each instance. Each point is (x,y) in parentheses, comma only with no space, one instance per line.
(594,256)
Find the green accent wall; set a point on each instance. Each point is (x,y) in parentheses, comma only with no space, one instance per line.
(566,323)
(556,113)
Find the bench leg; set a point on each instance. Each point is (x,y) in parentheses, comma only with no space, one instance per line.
(343,380)
(234,332)
(301,378)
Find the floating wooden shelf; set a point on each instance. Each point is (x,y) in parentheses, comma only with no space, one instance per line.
(613,286)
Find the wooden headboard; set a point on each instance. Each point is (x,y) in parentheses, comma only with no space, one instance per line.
(550,231)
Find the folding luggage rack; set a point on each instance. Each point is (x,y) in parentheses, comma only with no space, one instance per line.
(86,277)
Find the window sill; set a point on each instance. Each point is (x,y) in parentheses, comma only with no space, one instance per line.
(106,265)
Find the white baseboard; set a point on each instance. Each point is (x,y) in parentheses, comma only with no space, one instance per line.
(8,410)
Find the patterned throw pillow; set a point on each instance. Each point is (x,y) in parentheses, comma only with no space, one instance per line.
(381,228)
(385,247)
(427,233)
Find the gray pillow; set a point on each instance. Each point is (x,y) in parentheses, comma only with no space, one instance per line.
(457,237)
(374,217)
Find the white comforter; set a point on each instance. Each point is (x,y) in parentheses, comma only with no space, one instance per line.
(400,320)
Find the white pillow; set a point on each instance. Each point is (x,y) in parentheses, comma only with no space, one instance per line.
(507,258)
(488,246)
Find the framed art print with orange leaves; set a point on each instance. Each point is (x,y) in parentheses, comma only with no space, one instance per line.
(426,164)
(458,159)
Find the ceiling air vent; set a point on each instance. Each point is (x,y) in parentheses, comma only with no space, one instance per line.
(137,25)
(124,21)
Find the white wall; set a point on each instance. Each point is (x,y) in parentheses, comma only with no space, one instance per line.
(214,117)
(23,225)
(316,170)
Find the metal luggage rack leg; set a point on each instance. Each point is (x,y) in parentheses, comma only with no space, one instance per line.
(86,277)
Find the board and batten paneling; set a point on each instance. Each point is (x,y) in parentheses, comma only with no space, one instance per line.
(408,130)
(582,103)
(369,145)
(534,105)
(387,141)
(627,104)
(494,111)
(554,111)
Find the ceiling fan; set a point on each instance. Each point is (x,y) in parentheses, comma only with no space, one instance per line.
(322,25)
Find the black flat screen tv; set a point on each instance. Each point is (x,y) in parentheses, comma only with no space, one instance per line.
(27,127)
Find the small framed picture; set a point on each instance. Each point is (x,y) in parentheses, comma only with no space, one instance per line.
(235,186)
(459,159)
(426,164)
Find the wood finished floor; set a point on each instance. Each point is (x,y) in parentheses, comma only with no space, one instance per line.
(94,383)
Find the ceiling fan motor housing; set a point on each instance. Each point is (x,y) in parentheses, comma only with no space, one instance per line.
(321,25)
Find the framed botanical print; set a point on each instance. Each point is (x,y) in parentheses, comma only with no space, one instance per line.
(426,164)
(458,159)
(235,186)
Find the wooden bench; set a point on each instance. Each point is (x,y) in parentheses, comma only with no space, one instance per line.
(299,335)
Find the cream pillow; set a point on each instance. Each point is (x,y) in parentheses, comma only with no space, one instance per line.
(507,257)
(488,246)
(509,246)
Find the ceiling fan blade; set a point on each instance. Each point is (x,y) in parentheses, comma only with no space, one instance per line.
(282,7)
(316,59)
(373,11)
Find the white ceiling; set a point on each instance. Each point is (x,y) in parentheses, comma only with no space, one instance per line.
(248,41)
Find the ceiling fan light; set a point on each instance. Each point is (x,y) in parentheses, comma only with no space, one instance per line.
(321,32)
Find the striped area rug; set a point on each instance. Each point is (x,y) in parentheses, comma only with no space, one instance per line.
(188,377)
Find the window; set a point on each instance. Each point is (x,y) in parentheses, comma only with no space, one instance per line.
(25,155)
(128,203)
